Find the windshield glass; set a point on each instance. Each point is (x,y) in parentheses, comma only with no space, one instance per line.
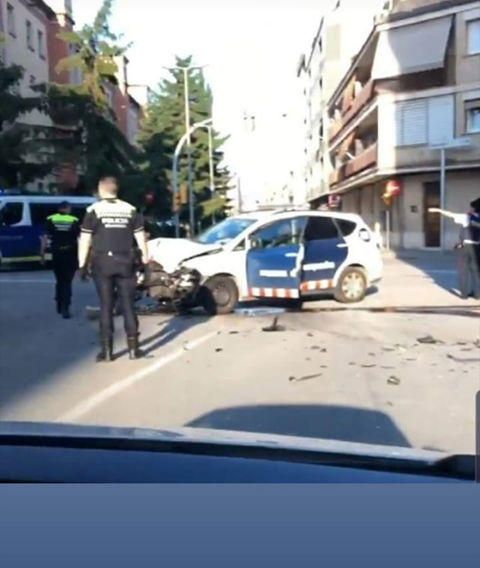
(308,177)
(225,231)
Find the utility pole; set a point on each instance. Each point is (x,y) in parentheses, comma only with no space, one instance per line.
(176,156)
(188,133)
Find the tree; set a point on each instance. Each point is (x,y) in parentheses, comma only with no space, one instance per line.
(90,135)
(20,160)
(163,127)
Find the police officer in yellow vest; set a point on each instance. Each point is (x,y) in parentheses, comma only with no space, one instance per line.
(63,230)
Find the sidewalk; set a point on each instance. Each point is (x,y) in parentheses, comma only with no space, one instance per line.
(421,278)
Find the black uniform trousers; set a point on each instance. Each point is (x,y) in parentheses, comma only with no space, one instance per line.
(114,276)
(65,264)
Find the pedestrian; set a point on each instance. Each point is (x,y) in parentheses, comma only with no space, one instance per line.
(468,247)
(109,229)
(62,230)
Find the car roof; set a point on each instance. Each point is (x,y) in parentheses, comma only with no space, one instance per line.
(48,199)
(285,214)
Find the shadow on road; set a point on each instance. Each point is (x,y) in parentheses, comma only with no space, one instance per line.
(37,347)
(440,267)
(341,423)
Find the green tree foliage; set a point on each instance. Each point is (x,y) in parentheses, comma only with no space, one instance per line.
(163,127)
(21,160)
(90,136)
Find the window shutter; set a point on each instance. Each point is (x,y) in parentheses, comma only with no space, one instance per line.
(440,120)
(414,123)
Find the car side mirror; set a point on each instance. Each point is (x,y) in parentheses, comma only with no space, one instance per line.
(254,243)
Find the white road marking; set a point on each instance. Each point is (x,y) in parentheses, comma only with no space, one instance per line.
(95,400)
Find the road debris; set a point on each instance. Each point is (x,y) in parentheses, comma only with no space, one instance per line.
(218,350)
(306,378)
(258,312)
(428,340)
(233,332)
(367,366)
(274,327)
(393,380)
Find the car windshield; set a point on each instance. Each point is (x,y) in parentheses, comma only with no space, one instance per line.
(224,231)
(307,177)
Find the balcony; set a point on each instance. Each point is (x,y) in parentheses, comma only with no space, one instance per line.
(359,102)
(353,109)
(365,160)
(337,176)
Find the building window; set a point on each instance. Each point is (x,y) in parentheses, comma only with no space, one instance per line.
(472,109)
(29,35)
(41,44)
(473,37)
(11,20)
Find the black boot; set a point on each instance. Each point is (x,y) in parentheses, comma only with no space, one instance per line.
(106,351)
(66,313)
(134,351)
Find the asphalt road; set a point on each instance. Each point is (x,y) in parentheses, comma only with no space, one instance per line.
(357,374)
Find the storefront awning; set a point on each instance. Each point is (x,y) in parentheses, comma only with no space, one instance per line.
(411,49)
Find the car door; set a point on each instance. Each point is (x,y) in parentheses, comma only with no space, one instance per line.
(13,233)
(273,259)
(325,250)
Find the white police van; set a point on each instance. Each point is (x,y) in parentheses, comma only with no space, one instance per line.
(294,255)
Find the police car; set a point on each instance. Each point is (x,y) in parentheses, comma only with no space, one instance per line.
(291,255)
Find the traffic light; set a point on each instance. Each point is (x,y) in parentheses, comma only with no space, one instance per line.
(183,194)
(177,201)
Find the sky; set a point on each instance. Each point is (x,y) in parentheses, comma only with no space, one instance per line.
(251,49)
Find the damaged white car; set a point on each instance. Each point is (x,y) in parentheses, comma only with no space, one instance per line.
(290,255)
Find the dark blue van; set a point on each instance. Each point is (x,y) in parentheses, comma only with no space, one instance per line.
(22,222)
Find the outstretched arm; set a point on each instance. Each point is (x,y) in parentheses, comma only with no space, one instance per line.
(458,218)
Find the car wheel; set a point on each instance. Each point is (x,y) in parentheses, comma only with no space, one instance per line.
(224,292)
(352,286)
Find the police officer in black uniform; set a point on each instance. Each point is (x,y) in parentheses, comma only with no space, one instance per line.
(62,229)
(110,229)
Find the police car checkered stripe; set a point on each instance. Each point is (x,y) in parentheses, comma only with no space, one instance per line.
(314,285)
(288,293)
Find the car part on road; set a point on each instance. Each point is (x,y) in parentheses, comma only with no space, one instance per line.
(274,327)
(352,286)
(259,312)
(224,292)
(179,290)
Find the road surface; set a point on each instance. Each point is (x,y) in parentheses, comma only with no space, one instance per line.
(356,374)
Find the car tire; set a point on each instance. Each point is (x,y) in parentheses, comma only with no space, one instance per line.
(352,286)
(224,293)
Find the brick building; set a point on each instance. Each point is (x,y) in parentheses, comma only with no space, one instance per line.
(30,30)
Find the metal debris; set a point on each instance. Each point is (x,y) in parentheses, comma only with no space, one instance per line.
(274,327)
(428,340)
(393,380)
(306,378)
(366,366)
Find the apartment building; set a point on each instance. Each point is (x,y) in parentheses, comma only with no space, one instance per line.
(413,88)
(341,32)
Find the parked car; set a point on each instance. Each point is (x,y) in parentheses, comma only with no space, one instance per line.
(291,255)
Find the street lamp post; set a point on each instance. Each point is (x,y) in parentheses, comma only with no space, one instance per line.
(188,133)
(454,144)
(187,136)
